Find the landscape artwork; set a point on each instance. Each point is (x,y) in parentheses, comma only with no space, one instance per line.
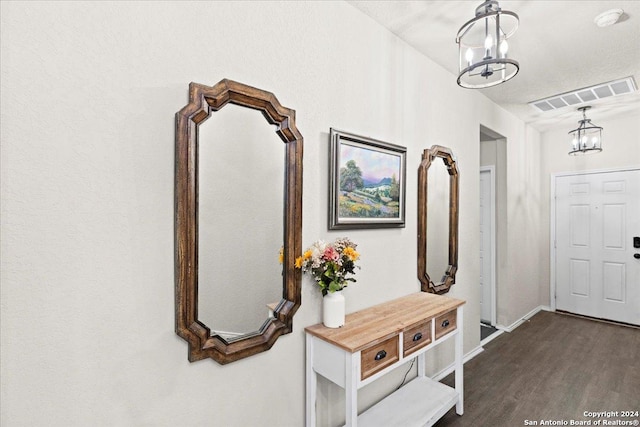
(368,184)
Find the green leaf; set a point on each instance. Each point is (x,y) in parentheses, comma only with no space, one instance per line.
(334,286)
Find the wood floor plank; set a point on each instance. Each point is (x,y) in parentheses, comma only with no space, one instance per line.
(552,367)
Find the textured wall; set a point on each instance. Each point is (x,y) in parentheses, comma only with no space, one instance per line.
(89,93)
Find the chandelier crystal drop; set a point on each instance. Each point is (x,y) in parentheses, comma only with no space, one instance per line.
(483,51)
(587,138)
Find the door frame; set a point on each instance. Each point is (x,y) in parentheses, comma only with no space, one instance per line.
(552,221)
(492,286)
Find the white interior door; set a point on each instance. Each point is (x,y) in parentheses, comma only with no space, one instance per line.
(487,242)
(597,217)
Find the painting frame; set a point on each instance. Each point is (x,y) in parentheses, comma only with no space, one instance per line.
(364,196)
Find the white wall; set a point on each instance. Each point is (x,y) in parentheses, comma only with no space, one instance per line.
(620,149)
(89,93)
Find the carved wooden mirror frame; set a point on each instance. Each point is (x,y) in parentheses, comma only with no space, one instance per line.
(203,100)
(428,156)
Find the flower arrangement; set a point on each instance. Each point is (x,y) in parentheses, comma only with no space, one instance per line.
(330,263)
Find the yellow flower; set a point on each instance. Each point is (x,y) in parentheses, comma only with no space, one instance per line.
(351,253)
(299,262)
(281,256)
(307,255)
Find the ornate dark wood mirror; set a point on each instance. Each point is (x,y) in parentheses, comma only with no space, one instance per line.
(236,207)
(437,220)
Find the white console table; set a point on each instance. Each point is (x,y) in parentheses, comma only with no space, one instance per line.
(378,339)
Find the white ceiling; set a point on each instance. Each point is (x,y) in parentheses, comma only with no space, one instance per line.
(558,46)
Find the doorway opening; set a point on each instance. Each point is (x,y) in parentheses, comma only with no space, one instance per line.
(492,206)
(486,331)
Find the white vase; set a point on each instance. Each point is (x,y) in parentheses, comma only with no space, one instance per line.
(333,310)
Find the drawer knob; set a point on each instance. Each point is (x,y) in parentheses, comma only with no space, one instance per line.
(445,323)
(381,355)
(418,336)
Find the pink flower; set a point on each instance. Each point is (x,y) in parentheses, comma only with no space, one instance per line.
(330,254)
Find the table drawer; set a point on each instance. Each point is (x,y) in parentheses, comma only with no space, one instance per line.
(445,323)
(417,336)
(378,357)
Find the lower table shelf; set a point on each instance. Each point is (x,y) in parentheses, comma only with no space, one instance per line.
(422,401)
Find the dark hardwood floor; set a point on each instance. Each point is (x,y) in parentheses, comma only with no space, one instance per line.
(553,367)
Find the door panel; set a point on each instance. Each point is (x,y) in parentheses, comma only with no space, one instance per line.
(614,285)
(597,216)
(486,252)
(614,226)
(580,277)
(580,226)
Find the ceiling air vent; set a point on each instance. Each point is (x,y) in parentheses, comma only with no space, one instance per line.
(588,94)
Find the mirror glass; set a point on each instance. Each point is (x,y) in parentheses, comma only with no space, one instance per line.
(240,221)
(437,220)
(438,185)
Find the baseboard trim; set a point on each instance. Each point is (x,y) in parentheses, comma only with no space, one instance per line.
(525,318)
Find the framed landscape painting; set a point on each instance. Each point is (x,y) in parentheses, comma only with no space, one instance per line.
(367,183)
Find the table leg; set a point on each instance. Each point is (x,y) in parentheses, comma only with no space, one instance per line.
(351,389)
(459,372)
(311,385)
(422,369)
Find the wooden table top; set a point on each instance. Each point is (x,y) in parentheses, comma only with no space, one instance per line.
(375,324)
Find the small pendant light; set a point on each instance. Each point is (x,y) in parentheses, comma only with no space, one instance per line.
(587,138)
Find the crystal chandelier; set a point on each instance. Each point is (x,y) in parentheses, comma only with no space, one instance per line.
(587,138)
(483,49)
